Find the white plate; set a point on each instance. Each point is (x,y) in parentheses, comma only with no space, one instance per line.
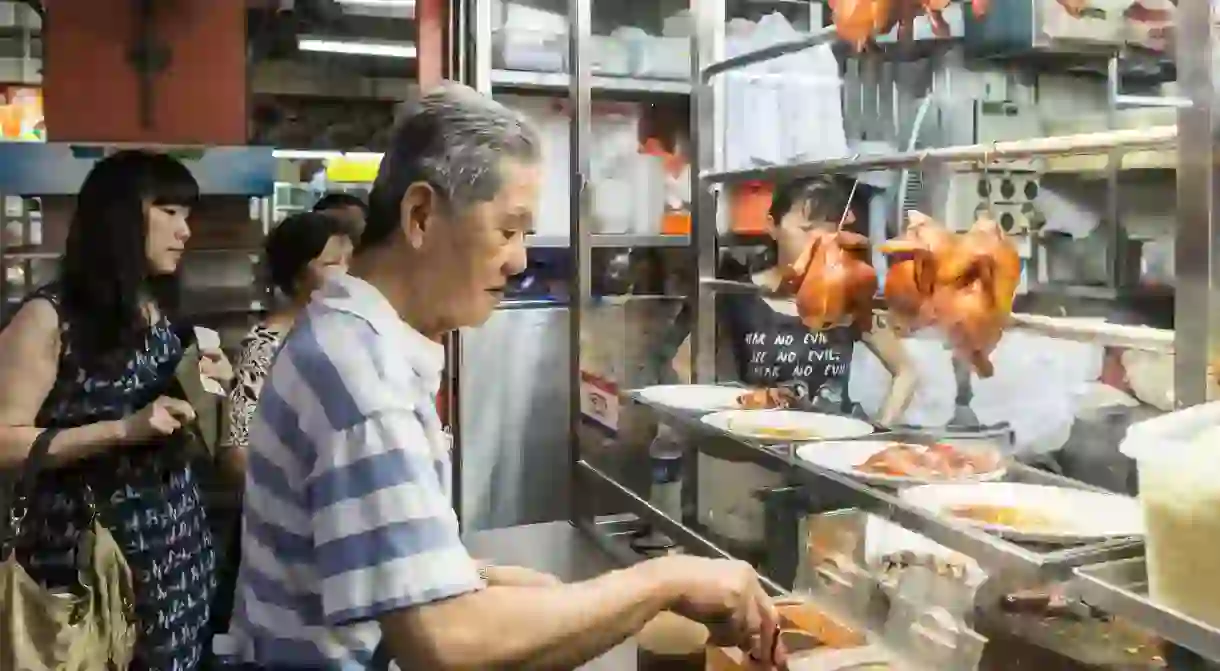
(844,456)
(1084,515)
(761,425)
(697,397)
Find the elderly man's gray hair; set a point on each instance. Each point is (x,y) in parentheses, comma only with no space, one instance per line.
(453,138)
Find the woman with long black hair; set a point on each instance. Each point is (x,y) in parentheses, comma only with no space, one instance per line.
(93,354)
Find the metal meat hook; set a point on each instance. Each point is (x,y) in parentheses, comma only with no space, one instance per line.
(148,57)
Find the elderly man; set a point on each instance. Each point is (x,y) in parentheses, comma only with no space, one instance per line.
(350,539)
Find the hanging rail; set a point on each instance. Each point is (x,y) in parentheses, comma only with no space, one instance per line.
(1156,137)
(1096,331)
(767,53)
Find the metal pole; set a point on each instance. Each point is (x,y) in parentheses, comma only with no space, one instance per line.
(771,52)
(473,47)
(1196,302)
(580,15)
(1155,137)
(1113,218)
(482,46)
(708,48)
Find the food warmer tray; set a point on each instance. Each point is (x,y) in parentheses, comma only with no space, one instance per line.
(1121,588)
(1011,565)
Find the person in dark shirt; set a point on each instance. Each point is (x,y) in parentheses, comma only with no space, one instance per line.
(345,207)
(761,340)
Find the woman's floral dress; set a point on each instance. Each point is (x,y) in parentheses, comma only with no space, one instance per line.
(145,495)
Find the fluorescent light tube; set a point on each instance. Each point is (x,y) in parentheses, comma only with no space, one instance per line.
(361,48)
(312,154)
(380,3)
(323,154)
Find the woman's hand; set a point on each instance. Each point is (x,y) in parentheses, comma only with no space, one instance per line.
(214,364)
(157,419)
(517,576)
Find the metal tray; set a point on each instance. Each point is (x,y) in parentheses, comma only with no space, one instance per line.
(1121,588)
(1010,565)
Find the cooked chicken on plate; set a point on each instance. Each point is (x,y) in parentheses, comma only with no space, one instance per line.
(772,398)
(928,462)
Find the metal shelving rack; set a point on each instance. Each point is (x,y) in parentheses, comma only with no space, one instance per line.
(1110,571)
(577,85)
(1197,309)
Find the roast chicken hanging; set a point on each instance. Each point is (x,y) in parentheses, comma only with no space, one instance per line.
(963,284)
(859,22)
(834,282)
(911,277)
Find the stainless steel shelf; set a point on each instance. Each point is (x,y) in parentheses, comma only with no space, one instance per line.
(1009,562)
(610,240)
(1156,137)
(1121,588)
(1098,332)
(560,82)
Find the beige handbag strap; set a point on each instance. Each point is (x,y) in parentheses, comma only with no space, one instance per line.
(24,489)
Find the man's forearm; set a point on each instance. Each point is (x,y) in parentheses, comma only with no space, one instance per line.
(901,392)
(529,627)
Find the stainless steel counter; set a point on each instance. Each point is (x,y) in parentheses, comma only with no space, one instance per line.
(561,550)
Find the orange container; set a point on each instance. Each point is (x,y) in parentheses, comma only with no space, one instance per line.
(748,206)
(675,223)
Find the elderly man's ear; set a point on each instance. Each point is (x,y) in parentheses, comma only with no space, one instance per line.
(418,204)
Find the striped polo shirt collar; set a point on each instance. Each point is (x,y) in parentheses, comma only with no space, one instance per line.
(353,295)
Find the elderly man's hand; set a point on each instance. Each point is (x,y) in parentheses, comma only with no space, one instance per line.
(518,576)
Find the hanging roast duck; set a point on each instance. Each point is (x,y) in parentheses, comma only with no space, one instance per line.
(911,277)
(963,284)
(986,242)
(859,22)
(834,282)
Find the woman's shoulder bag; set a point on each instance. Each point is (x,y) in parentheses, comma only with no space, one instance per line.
(89,626)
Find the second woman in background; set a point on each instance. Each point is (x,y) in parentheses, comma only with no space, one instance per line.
(300,251)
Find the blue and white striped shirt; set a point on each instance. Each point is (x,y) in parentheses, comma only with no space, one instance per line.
(347,509)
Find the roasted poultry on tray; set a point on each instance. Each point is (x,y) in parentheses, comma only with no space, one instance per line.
(834,282)
(770,398)
(963,284)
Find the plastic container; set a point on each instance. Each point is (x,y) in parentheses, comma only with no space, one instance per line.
(1179,478)
(610,56)
(663,58)
(532,50)
(665,458)
(749,207)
